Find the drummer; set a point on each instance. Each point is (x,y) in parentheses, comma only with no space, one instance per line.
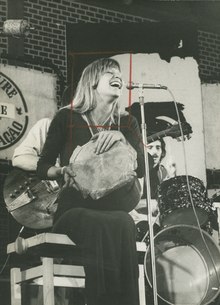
(158,173)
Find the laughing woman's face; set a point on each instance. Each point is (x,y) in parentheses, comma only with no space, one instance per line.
(110,85)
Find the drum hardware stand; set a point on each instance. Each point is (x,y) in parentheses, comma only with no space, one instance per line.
(148,191)
(216,205)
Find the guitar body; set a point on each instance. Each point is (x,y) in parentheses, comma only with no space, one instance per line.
(30,201)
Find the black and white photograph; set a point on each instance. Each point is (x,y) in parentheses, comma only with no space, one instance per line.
(109,152)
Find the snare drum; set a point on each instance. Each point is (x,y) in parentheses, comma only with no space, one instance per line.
(175,205)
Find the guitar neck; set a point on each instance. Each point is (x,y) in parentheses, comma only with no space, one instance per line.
(157,136)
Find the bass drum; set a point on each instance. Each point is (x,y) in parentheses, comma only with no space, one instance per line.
(175,204)
(187,266)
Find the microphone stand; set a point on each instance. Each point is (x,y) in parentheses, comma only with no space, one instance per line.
(148,199)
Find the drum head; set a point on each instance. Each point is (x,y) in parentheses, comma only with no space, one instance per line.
(99,175)
(186,272)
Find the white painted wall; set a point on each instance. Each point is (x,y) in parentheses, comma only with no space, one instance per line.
(211,105)
(182,79)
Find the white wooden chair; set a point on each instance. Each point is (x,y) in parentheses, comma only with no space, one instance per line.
(48,273)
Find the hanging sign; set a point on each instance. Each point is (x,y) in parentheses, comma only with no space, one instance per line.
(13,112)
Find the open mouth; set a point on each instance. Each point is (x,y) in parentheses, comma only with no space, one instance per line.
(117,83)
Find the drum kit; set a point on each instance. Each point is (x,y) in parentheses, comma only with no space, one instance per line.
(186,255)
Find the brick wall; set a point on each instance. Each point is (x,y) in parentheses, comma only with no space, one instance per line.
(49,19)
(3,17)
(209,56)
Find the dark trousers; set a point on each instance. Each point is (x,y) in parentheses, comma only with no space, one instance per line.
(108,253)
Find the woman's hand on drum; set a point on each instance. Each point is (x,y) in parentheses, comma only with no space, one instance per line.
(68,176)
(105,139)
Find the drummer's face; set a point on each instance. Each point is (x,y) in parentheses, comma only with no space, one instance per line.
(155,150)
(110,85)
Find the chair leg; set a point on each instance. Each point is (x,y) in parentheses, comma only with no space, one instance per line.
(48,281)
(141,285)
(15,288)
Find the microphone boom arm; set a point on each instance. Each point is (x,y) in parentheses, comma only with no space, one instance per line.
(131,85)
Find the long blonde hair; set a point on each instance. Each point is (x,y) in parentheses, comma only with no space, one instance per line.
(84,98)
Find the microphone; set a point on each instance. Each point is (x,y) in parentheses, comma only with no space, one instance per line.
(132,85)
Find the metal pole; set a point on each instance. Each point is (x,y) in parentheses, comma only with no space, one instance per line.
(148,199)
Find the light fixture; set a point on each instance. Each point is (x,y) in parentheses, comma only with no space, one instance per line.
(16,27)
